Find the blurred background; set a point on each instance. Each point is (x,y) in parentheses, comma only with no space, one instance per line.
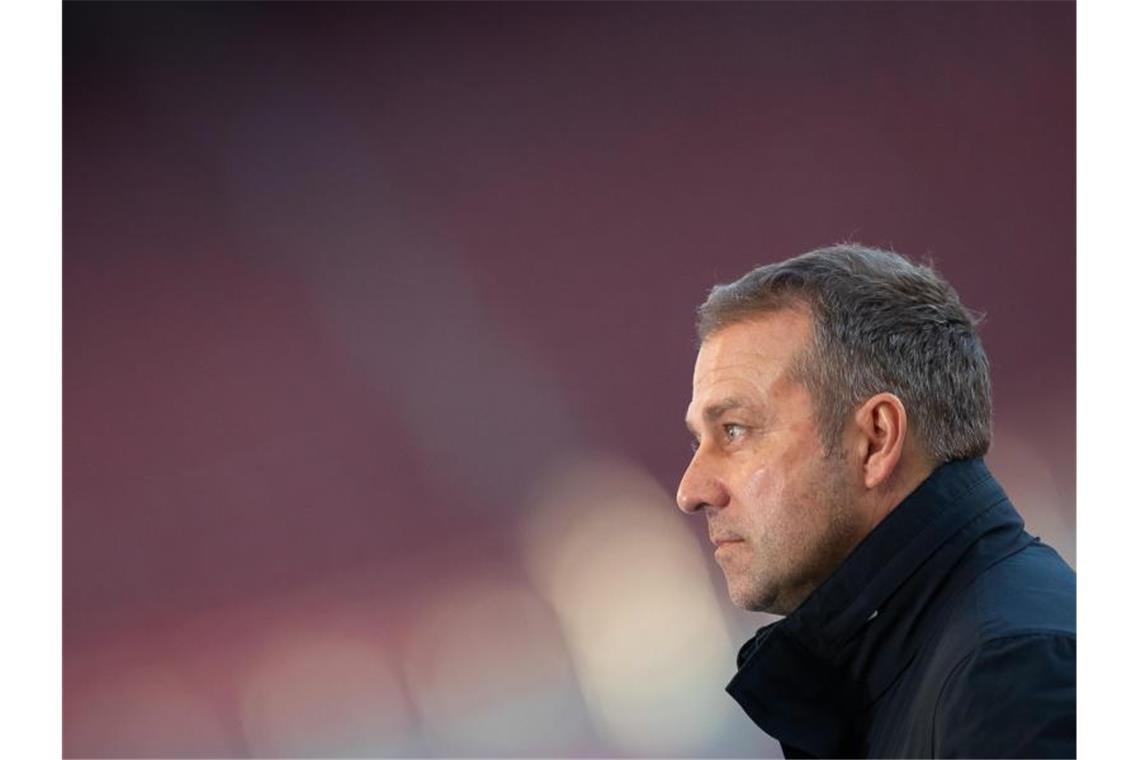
(378,338)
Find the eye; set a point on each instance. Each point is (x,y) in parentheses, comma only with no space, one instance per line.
(733,431)
(694,445)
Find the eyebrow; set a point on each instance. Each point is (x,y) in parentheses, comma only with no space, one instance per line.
(713,412)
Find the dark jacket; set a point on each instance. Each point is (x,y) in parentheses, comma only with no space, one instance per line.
(948,632)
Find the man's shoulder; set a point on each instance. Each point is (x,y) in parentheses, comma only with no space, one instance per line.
(1030,592)
(1033,591)
(995,672)
(1013,695)
(1006,660)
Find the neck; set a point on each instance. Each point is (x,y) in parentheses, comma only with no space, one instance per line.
(909,475)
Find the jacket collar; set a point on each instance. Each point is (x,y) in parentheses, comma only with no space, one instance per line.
(805,678)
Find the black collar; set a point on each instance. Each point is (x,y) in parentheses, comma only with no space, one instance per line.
(805,679)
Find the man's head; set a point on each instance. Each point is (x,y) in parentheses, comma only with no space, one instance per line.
(826,388)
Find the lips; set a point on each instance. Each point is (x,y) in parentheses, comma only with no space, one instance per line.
(720,541)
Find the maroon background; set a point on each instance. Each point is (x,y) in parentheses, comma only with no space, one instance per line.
(339,280)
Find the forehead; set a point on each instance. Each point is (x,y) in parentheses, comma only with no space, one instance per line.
(749,359)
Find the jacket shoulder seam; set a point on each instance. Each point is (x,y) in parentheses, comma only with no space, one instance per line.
(1024,633)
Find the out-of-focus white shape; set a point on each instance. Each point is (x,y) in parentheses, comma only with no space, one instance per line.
(637,605)
(1033,489)
(325,694)
(487,668)
(144,711)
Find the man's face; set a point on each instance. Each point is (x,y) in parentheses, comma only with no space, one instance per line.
(779,511)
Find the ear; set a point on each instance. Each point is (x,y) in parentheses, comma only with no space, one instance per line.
(880,425)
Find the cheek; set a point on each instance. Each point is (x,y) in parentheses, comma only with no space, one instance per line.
(778,496)
(763,491)
(790,465)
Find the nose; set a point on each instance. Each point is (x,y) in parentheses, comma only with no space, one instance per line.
(699,487)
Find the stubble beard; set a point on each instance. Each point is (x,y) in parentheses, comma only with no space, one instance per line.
(817,559)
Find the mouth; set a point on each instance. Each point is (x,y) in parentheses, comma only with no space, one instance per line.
(722,541)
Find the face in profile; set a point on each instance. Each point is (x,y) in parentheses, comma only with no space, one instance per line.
(779,510)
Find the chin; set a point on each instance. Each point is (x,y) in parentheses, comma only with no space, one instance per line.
(753,599)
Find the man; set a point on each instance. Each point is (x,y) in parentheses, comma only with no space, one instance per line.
(841,409)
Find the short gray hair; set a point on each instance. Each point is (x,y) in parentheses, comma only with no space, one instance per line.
(881,323)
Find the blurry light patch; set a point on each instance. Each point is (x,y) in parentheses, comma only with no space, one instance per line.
(143,711)
(487,668)
(1033,489)
(637,605)
(325,694)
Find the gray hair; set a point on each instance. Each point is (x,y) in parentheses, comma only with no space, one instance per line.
(880,324)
